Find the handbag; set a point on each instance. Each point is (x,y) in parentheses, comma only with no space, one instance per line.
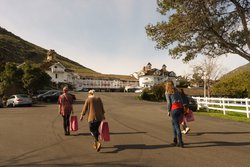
(73,123)
(189,116)
(104,131)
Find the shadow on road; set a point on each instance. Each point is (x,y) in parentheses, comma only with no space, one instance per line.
(219,133)
(111,133)
(119,148)
(216,143)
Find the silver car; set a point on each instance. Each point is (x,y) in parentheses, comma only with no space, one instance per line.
(19,100)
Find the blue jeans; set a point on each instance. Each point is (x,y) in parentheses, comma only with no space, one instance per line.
(176,114)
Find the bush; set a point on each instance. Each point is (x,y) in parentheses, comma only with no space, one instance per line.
(156,93)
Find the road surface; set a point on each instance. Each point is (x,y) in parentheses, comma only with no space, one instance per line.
(140,131)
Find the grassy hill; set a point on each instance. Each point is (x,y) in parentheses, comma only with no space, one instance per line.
(15,49)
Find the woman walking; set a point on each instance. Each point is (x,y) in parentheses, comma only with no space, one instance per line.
(65,102)
(93,106)
(175,110)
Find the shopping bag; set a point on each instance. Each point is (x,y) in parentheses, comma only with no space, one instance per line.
(189,116)
(104,131)
(73,123)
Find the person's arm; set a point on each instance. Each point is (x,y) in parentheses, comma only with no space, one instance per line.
(168,103)
(84,109)
(59,105)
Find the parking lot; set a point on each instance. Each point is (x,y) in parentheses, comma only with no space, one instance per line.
(140,131)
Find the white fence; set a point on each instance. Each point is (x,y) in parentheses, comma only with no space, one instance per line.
(223,104)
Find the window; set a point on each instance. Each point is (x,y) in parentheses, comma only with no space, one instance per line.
(56,75)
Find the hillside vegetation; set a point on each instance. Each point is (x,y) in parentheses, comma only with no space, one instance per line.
(15,49)
(234,84)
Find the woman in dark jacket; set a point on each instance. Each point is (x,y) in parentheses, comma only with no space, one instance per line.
(175,110)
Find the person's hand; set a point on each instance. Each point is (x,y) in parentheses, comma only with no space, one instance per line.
(169,114)
(81,117)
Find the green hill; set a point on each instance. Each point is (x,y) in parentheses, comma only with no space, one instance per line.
(234,84)
(15,49)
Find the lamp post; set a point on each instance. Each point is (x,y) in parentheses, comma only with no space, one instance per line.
(205,83)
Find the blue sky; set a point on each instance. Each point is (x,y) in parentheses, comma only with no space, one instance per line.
(107,36)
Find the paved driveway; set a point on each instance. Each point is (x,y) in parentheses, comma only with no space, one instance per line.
(141,134)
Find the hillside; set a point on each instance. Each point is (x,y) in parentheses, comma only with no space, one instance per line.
(15,49)
(243,68)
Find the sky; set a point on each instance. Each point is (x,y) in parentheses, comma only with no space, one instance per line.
(107,36)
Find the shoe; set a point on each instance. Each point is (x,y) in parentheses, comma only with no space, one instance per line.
(180,145)
(95,145)
(187,130)
(98,146)
(174,142)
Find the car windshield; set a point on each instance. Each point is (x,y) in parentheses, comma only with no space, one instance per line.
(23,96)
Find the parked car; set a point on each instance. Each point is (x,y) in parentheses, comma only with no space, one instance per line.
(42,96)
(54,97)
(19,100)
(192,104)
(1,103)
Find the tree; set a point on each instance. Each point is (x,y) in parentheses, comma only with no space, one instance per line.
(208,27)
(183,81)
(34,78)
(208,69)
(10,80)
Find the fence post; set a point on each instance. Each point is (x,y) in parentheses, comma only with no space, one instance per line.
(223,105)
(198,102)
(206,104)
(247,109)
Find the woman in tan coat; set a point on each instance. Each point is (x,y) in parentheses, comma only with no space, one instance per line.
(93,107)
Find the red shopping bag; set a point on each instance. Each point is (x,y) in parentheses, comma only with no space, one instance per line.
(104,131)
(73,123)
(189,116)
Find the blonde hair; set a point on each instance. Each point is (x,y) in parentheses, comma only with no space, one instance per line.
(169,87)
(65,89)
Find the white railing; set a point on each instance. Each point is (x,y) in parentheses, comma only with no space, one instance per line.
(222,104)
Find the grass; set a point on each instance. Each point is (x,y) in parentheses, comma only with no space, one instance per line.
(241,117)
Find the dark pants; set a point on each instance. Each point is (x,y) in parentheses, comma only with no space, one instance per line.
(176,114)
(94,129)
(66,123)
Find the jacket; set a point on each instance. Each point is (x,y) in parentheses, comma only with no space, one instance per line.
(93,107)
(174,101)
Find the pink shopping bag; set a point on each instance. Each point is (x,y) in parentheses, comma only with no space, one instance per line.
(189,116)
(73,123)
(104,131)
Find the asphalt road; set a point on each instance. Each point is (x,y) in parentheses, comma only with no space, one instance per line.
(140,131)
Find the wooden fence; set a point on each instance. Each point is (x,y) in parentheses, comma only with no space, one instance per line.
(225,104)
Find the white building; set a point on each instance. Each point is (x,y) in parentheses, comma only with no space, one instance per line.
(149,76)
(59,74)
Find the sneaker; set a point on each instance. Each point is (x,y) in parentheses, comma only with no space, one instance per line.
(174,142)
(95,145)
(98,146)
(180,145)
(187,130)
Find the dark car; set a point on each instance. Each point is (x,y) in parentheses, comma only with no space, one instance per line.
(42,96)
(54,97)
(1,103)
(192,104)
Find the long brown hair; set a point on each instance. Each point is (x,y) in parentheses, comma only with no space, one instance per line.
(169,87)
